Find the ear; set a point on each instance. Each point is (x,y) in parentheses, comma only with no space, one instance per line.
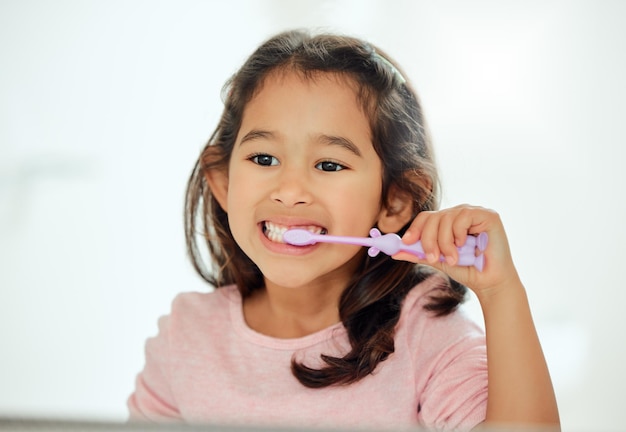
(397,212)
(217,179)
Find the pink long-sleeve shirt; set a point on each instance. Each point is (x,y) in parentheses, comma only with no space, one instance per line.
(207,366)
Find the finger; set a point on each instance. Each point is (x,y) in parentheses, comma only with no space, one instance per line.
(461,226)
(475,220)
(413,233)
(430,238)
(405,256)
(446,238)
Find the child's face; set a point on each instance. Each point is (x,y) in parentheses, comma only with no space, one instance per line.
(303,157)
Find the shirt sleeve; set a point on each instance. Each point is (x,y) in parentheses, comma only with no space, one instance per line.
(455,394)
(450,365)
(152,399)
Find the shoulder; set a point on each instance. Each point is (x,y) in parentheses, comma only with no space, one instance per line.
(192,304)
(421,327)
(198,314)
(434,285)
(186,337)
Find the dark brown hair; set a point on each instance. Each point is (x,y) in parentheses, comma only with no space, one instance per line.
(370,305)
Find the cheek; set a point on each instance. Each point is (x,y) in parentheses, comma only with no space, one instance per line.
(239,186)
(361,201)
(239,198)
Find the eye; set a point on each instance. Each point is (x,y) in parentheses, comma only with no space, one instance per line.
(264,160)
(329,166)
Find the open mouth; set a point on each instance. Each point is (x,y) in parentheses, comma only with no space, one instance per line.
(275,232)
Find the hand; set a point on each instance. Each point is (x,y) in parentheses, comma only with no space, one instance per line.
(520,390)
(441,232)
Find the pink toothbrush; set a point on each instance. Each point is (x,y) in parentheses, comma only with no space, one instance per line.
(391,244)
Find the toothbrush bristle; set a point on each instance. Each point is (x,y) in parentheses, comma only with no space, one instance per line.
(298,237)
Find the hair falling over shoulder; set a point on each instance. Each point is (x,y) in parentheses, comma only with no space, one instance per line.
(370,305)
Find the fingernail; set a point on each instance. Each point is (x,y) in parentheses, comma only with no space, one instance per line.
(431,258)
(406,235)
(450,260)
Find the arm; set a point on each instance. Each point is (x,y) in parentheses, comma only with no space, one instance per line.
(152,400)
(520,389)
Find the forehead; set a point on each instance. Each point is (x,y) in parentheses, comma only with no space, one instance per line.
(288,83)
(291,75)
(290,72)
(296,103)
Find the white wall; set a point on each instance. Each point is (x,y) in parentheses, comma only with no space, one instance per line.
(105,105)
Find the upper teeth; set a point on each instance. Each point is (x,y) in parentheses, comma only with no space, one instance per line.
(275,232)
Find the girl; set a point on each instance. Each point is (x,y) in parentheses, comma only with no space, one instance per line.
(324,133)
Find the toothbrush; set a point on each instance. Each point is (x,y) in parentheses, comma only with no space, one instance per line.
(391,244)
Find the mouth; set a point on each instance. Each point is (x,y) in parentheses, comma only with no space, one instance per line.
(275,232)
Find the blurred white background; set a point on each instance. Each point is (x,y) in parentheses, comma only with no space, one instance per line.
(104,107)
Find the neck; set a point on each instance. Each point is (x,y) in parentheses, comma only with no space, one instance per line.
(293,312)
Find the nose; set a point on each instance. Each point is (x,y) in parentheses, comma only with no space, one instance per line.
(292,188)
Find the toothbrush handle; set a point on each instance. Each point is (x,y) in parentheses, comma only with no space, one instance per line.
(467,252)
(391,244)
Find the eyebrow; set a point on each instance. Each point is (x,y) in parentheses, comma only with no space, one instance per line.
(324,139)
(339,141)
(257,134)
